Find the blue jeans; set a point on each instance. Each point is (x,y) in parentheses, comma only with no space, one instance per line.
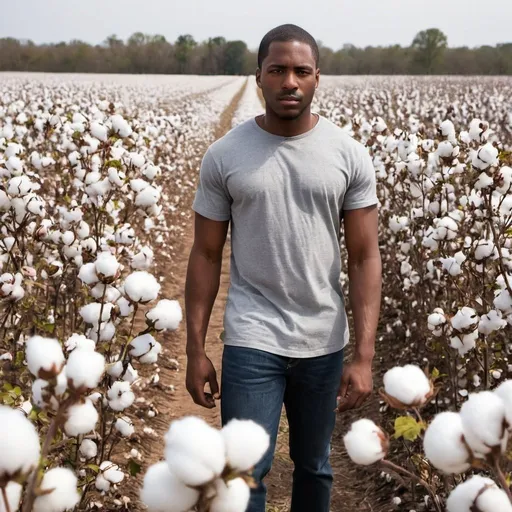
(255,385)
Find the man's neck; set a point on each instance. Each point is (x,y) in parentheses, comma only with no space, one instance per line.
(287,128)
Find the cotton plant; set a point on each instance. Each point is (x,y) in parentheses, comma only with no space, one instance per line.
(474,438)
(205,467)
(73,270)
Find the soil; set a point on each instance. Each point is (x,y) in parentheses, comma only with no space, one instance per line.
(355,488)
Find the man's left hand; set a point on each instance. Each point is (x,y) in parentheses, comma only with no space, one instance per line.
(356,385)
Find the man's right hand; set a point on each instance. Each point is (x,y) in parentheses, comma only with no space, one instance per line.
(200,370)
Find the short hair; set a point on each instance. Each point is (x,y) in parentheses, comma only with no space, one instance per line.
(284,34)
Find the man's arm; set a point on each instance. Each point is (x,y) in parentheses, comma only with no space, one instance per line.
(201,288)
(365,284)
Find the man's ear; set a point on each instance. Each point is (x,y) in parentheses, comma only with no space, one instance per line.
(258,77)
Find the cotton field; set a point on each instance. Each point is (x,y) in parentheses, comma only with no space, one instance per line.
(97,174)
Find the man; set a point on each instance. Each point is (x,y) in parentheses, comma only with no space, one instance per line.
(284,181)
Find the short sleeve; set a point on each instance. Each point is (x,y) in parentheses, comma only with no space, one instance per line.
(212,200)
(362,190)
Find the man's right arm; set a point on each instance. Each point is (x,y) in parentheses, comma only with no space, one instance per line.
(201,288)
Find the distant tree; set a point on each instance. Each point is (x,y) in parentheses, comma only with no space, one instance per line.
(184,46)
(234,57)
(430,45)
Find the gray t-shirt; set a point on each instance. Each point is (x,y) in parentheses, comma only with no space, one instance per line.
(285,197)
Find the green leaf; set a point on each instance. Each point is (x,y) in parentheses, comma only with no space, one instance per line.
(7,387)
(134,467)
(95,468)
(17,391)
(408,428)
(435,374)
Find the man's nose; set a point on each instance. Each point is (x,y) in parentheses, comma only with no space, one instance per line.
(290,81)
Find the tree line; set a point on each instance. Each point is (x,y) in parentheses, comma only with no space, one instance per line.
(153,54)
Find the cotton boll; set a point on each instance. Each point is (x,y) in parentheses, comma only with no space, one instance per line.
(194,450)
(143,259)
(91,312)
(483,181)
(504,391)
(84,369)
(87,274)
(444,445)
(110,293)
(111,472)
(140,286)
(120,125)
(20,186)
(483,421)
(62,483)
(485,157)
(126,235)
(146,348)
(107,266)
(408,384)
(44,356)
(101,483)
(19,443)
(138,184)
(125,307)
(99,131)
(81,418)
(147,197)
(83,230)
(365,442)
(446,228)
(88,448)
(492,321)
(150,171)
(447,130)
(166,315)
(464,342)
(116,177)
(492,500)
(231,496)
(124,426)
(246,442)
(79,341)
(503,302)
(107,332)
(464,497)
(120,396)
(465,318)
(397,224)
(484,249)
(451,266)
(13,491)
(162,491)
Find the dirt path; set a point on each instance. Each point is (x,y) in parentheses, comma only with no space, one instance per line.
(170,399)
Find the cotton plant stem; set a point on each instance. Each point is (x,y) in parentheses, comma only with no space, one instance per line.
(33,482)
(397,469)
(50,435)
(502,479)
(6,501)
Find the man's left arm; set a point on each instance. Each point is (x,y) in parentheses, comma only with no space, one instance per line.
(365,284)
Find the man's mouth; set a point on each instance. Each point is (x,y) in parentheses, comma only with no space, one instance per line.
(289,100)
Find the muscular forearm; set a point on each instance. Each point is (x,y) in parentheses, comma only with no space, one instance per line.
(201,288)
(365,296)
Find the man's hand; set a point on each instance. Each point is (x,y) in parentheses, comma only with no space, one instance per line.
(356,385)
(200,370)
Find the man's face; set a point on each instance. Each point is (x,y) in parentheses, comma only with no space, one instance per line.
(288,78)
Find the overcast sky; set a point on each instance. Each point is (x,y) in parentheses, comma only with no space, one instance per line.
(333,22)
